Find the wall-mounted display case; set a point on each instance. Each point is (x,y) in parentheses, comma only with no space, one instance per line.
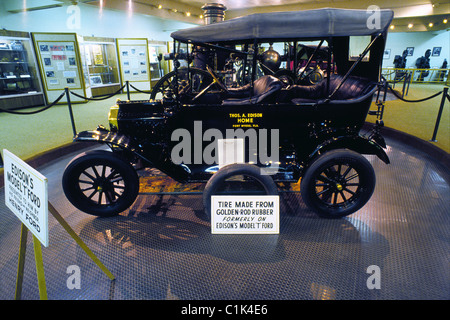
(20,85)
(158,66)
(134,63)
(102,65)
(60,64)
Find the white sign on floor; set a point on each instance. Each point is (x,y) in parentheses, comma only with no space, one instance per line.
(245,214)
(26,195)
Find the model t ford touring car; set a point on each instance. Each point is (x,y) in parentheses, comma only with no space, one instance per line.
(242,117)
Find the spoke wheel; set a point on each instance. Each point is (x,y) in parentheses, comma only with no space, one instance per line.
(100,183)
(338,183)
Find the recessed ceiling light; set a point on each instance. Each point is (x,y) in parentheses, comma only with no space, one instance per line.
(445,21)
(392,27)
(430,24)
(410,25)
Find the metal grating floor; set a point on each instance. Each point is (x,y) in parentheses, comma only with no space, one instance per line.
(161,250)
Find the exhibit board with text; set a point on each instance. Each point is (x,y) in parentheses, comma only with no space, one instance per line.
(134,63)
(60,65)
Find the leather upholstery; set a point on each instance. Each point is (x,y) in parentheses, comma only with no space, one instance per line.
(353,87)
(269,89)
(263,90)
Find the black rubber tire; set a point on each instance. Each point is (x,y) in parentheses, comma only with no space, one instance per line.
(100,183)
(266,183)
(338,183)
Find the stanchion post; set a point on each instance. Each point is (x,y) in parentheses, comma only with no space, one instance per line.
(128,90)
(70,111)
(405,79)
(438,119)
(409,82)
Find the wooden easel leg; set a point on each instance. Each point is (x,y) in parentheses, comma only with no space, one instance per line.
(21,263)
(40,268)
(78,240)
(38,256)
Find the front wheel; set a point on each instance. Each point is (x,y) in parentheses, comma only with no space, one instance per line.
(338,183)
(100,183)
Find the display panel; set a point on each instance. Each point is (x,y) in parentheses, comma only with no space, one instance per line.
(133,60)
(60,64)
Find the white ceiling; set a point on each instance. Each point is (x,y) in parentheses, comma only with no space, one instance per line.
(257,5)
(248,4)
(418,12)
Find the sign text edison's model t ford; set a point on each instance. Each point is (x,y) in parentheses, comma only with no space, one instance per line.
(235,94)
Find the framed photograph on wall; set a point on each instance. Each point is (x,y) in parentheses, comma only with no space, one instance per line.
(410,51)
(436,51)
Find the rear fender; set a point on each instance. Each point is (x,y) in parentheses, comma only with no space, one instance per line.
(359,144)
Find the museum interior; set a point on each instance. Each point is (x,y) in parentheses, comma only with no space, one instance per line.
(98,201)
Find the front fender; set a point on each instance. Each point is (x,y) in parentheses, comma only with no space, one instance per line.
(178,172)
(105,136)
(359,144)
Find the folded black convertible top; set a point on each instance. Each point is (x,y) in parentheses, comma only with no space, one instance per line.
(308,24)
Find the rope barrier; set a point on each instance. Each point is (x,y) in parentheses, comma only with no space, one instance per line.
(36,111)
(420,100)
(402,78)
(58,99)
(388,74)
(98,99)
(146,92)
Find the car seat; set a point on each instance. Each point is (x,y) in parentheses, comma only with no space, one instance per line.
(352,87)
(262,91)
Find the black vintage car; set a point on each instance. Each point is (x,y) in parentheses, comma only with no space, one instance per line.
(231,118)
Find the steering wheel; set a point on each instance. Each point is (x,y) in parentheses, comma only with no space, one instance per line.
(215,81)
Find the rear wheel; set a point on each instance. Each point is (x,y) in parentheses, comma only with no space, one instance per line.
(239,180)
(338,183)
(100,183)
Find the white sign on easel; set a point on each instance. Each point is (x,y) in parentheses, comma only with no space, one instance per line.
(26,195)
